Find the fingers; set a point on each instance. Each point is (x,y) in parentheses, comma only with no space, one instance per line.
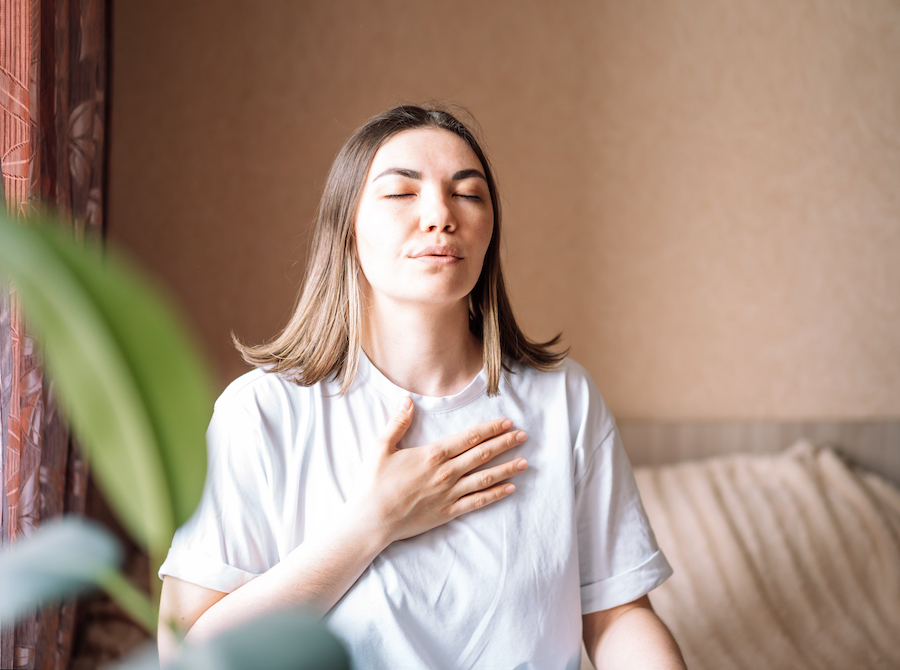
(485,479)
(475,501)
(397,425)
(488,450)
(466,440)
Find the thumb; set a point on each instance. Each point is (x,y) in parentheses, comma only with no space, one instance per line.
(397,425)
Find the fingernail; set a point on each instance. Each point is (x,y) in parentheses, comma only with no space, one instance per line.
(509,489)
(506,425)
(405,404)
(522,464)
(520,436)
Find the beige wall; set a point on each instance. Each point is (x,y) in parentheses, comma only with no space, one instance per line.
(704,196)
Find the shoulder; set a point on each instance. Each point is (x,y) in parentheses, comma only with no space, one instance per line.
(258,415)
(252,385)
(568,387)
(569,378)
(260,393)
(568,370)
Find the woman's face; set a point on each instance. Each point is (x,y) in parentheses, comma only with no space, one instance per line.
(424,220)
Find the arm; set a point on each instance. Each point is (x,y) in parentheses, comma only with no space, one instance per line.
(408,491)
(630,636)
(314,576)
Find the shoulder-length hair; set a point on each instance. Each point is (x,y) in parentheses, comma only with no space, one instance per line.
(322,339)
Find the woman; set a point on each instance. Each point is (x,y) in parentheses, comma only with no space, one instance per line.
(403,535)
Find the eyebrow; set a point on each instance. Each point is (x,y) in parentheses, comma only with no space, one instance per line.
(413,174)
(468,174)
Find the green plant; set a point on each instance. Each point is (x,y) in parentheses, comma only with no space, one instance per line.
(138,399)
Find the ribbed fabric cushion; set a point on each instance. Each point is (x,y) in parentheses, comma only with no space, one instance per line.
(781,561)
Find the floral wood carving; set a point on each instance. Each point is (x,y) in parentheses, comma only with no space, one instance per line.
(52,102)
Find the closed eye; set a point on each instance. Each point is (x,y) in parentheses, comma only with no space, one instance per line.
(399,195)
(475,198)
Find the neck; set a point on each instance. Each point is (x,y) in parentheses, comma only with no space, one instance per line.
(425,350)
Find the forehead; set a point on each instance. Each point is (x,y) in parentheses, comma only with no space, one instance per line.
(424,149)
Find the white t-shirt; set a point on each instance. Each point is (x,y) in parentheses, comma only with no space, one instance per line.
(501,587)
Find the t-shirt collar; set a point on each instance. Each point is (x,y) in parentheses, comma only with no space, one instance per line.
(423,403)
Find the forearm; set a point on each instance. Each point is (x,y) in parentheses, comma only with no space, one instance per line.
(634,640)
(313,577)
(404,492)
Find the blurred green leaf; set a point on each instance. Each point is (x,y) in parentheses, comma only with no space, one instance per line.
(138,397)
(62,558)
(132,600)
(277,641)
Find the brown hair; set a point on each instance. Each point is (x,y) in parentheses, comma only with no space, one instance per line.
(322,339)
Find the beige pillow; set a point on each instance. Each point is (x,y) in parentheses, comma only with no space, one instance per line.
(785,561)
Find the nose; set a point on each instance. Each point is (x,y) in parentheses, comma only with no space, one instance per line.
(436,214)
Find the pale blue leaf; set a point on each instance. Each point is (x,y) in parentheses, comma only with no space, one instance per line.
(277,641)
(143,657)
(63,557)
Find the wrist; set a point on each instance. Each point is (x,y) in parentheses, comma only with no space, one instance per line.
(364,521)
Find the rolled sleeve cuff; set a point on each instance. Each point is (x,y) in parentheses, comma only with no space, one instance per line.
(193,567)
(627,586)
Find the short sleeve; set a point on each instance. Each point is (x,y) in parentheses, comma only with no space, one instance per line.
(229,540)
(619,560)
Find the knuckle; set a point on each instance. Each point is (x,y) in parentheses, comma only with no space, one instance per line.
(479,502)
(443,475)
(486,480)
(472,437)
(484,454)
(438,454)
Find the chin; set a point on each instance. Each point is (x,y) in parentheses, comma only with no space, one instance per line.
(437,299)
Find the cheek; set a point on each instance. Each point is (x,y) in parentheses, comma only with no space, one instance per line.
(364,256)
(366,240)
(361,246)
(487,234)
(485,245)
(373,252)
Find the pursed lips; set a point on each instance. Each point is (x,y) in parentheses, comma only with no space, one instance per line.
(438,255)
